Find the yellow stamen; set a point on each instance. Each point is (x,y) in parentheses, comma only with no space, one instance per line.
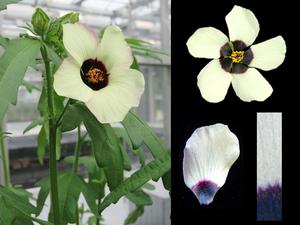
(237,56)
(95,75)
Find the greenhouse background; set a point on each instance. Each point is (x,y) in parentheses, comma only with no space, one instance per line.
(148,20)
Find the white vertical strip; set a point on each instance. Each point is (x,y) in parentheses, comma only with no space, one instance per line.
(269,149)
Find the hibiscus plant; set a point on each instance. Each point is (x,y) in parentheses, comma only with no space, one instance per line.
(89,81)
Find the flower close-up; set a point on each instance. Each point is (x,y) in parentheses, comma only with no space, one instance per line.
(99,74)
(208,155)
(235,59)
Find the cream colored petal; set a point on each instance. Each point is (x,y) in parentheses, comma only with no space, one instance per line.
(206,42)
(80,42)
(208,155)
(113,49)
(251,85)
(213,82)
(269,54)
(68,82)
(112,103)
(242,25)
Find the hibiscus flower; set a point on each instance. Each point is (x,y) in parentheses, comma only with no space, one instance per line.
(234,59)
(99,74)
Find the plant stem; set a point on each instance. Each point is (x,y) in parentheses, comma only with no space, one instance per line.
(52,139)
(98,219)
(3,156)
(75,165)
(77,150)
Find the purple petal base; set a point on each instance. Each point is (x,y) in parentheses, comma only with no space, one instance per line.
(205,191)
(269,203)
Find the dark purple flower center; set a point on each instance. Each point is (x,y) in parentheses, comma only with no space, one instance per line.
(94,74)
(235,57)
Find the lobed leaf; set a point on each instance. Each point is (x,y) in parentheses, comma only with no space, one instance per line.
(139,197)
(17,57)
(152,170)
(16,200)
(134,215)
(106,147)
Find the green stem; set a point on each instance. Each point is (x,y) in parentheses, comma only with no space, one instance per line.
(52,139)
(77,150)
(4,159)
(75,164)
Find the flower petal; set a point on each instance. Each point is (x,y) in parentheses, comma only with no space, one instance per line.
(242,25)
(206,42)
(251,85)
(80,42)
(112,103)
(213,82)
(269,54)
(113,49)
(208,155)
(68,82)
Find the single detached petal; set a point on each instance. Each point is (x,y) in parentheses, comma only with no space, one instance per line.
(269,54)
(251,85)
(68,82)
(242,25)
(112,103)
(113,49)
(80,42)
(214,82)
(208,155)
(206,42)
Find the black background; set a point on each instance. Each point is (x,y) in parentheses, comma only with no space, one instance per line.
(236,200)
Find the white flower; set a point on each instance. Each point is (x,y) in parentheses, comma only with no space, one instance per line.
(99,74)
(208,155)
(233,61)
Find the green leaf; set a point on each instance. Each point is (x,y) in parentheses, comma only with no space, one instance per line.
(22,221)
(134,215)
(135,65)
(6,215)
(17,201)
(167,180)
(140,153)
(24,217)
(152,170)
(106,147)
(30,87)
(126,159)
(4,41)
(139,133)
(33,124)
(13,64)
(44,185)
(69,18)
(139,197)
(71,119)
(140,42)
(70,187)
(42,145)
(90,196)
(4,3)
(122,134)
(149,186)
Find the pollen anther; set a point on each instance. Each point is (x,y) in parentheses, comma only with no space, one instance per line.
(94,75)
(237,56)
